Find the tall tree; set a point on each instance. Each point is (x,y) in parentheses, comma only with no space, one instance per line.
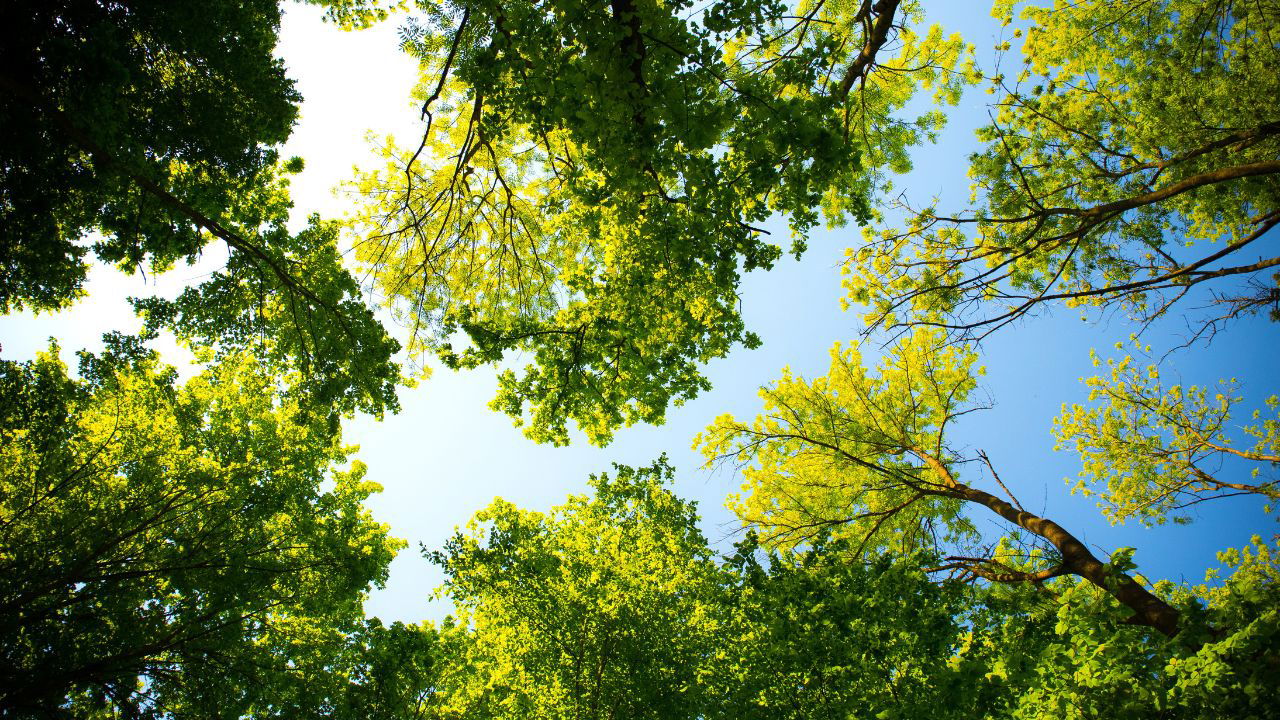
(614,606)
(811,635)
(1130,159)
(156,538)
(592,177)
(145,130)
(865,454)
(602,608)
(114,112)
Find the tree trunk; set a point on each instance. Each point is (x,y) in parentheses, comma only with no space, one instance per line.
(1078,560)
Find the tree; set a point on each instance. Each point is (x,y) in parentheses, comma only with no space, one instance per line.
(158,539)
(865,454)
(362,670)
(1148,451)
(811,635)
(591,180)
(1136,136)
(614,606)
(111,110)
(604,607)
(147,130)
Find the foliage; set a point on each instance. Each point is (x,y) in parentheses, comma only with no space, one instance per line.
(145,131)
(591,179)
(812,635)
(600,608)
(828,455)
(867,454)
(1136,136)
(1062,654)
(1237,673)
(358,14)
(327,341)
(155,536)
(95,92)
(613,606)
(1149,451)
(361,670)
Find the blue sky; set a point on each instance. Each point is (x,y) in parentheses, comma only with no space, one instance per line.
(446,454)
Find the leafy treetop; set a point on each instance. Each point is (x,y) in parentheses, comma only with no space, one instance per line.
(158,540)
(865,455)
(592,178)
(1149,451)
(1135,137)
(144,132)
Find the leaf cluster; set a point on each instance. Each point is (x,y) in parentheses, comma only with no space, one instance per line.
(592,179)
(155,535)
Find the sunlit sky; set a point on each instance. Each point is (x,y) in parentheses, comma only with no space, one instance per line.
(447,455)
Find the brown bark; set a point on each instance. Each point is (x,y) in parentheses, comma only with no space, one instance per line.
(879,33)
(1211,177)
(1077,560)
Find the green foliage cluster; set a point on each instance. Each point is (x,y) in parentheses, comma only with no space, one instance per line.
(144,132)
(1157,450)
(189,98)
(592,177)
(602,608)
(1135,136)
(159,539)
(588,189)
(614,606)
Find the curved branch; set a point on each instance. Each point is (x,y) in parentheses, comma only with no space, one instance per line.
(1077,559)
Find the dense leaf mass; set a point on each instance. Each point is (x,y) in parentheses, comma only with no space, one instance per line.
(189,97)
(592,178)
(143,131)
(614,606)
(591,181)
(159,539)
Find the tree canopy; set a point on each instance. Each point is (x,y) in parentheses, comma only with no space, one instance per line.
(592,177)
(147,130)
(1134,138)
(615,606)
(81,157)
(591,183)
(158,538)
